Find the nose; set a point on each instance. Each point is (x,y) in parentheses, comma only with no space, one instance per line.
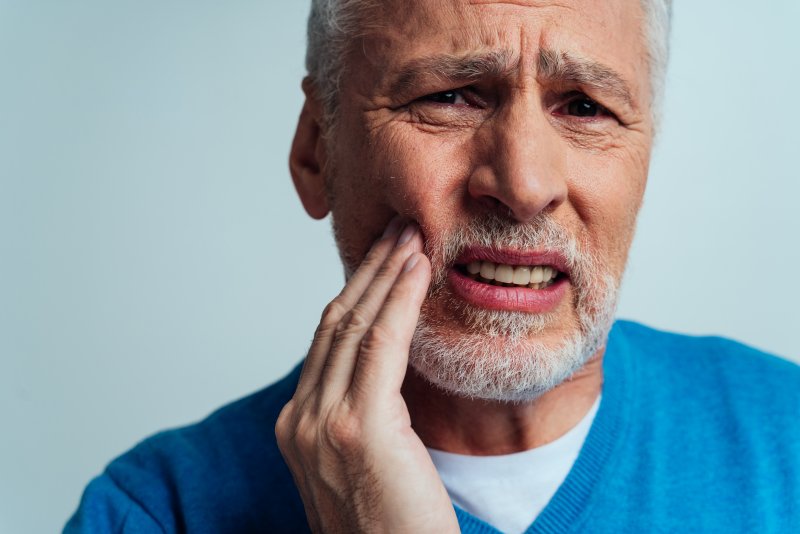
(524,163)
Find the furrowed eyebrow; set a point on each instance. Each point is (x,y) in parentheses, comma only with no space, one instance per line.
(565,68)
(451,67)
(552,66)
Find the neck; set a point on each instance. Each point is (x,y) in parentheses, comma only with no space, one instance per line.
(479,427)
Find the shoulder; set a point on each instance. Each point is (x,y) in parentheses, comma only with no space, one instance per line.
(226,469)
(712,371)
(228,440)
(711,429)
(697,352)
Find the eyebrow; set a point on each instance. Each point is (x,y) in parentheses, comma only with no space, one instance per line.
(552,66)
(495,64)
(562,67)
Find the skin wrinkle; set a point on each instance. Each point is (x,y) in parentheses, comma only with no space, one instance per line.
(521,3)
(596,142)
(387,164)
(367,21)
(562,66)
(494,63)
(447,67)
(553,67)
(558,66)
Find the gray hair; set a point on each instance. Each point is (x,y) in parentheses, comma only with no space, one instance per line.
(333,23)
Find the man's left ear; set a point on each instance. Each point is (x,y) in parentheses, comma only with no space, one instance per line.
(307,157)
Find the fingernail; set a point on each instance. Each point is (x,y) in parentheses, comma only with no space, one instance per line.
(393,227)
(411,262)
(407,234)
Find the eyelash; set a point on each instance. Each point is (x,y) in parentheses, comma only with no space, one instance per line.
(431,97)
(601,111)
(576,97)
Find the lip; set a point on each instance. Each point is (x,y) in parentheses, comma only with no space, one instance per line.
(514,257)
(522,299)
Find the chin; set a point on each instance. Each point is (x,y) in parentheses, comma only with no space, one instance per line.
(509,356)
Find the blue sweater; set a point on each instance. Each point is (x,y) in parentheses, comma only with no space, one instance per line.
(692,435)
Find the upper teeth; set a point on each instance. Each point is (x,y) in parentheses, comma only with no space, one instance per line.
(508,274)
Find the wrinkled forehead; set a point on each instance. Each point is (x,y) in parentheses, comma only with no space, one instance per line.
(396,32)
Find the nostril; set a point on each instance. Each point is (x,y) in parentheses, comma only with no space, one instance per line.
(523,203)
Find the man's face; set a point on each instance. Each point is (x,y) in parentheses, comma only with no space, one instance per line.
(515,133)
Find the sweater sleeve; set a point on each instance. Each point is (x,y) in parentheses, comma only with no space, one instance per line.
(107,507)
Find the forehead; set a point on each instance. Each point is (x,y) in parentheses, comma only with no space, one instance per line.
(395,32)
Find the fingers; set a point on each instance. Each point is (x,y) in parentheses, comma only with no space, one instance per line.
(341,305)
(383,353)
(337,373)
(377,255)
(337,450)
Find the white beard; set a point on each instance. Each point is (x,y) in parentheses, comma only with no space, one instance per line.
(495,355)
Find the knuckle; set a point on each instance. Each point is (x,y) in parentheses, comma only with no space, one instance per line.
(377,338)
(296,427)
(285,423)
(343,432)
(353,321)
(332,313)
(305,433)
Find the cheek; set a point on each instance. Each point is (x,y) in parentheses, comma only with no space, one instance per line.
(606,193)
(394,171)
(425,175)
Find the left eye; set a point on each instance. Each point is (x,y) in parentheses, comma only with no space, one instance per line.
(451,97)
(583,107)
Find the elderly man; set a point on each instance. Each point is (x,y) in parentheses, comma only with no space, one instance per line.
(483,163)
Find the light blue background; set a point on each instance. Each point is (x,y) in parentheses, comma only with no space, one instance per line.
(155,263)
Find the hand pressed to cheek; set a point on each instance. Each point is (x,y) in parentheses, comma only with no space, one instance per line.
(360,322)
(343,304)
(346,434)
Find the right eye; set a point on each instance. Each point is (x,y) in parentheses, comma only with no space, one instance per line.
(452,97)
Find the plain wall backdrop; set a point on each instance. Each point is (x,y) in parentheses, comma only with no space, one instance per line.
(155,262)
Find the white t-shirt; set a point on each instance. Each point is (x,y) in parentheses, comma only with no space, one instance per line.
(509,491)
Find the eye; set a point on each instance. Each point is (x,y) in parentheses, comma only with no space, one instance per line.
(584,107)
(449,97)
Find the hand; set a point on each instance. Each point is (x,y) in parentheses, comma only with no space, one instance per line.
(346,434)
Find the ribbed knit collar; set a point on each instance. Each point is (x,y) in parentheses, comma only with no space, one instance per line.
(572,503)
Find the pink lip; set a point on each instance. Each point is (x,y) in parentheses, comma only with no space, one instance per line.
(514,257)
(510,298)
(507,298)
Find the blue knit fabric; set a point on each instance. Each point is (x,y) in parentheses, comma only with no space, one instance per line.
(692,435)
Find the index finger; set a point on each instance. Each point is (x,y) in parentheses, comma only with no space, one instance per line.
(341,304)
(383,355)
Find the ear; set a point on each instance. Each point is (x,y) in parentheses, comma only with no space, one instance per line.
(307,156)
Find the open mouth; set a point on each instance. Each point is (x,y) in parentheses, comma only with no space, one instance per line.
(498,274)
(512,280)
